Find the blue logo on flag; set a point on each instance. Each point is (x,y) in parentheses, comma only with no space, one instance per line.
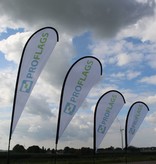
(70,108)
(26,86)
(101,129)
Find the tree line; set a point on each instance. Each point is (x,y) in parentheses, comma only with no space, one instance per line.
(36,149)
(82,151)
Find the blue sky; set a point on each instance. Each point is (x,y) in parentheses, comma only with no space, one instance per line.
(123,40)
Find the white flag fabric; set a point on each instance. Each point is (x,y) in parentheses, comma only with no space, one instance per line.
(106,110)
(80,78)
(135,117)
(35,54)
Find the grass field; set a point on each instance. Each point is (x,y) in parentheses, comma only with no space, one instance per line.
(105,158)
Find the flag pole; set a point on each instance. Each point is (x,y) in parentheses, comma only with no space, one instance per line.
(8,155)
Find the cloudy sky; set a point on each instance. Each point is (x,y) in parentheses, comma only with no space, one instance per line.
(120,33)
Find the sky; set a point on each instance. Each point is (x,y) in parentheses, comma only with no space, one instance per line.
(121,34)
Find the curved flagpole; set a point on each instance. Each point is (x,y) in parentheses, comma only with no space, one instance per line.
(135,116)
(85,72)
(80,78)
(106,110)
(36,52)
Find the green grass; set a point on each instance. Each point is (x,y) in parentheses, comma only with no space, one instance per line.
(106,158)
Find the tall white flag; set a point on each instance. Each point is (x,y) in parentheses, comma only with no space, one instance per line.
(35,54)
(81,77)
(135,117)
(106,110)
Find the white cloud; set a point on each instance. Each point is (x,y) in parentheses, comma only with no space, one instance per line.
(123,59)
(151,118)
(7,82)
(126,75)
(151,99)
(34,129)
(127,59)
(12,46)
(125,53)
(149,80)
(119,75)
(132,74)
(6,22)
(144,29)
(151,58)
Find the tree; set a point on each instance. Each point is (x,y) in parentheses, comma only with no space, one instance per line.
(19,148)
(133,149)
(111,149)
(86,151)
(34,149)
